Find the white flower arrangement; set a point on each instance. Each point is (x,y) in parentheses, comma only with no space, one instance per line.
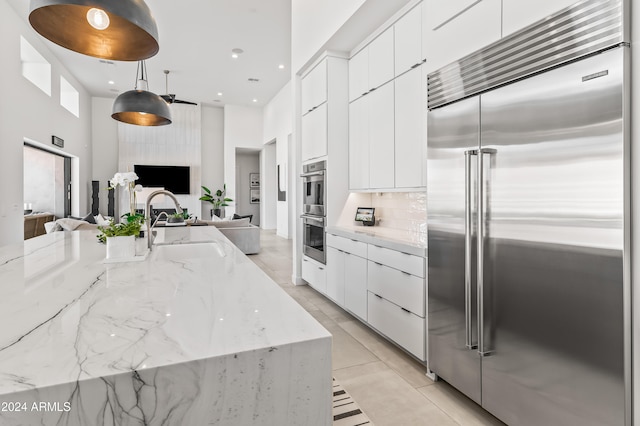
(128,181)
(124,179)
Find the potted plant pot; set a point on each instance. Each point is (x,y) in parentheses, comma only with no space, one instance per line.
(175,219)
(216,212)
(121,247)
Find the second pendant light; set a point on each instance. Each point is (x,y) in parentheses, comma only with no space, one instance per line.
(139,106)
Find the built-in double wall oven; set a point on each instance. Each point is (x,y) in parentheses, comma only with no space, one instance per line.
(313,208)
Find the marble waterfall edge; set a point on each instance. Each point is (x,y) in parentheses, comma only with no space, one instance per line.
(156,342)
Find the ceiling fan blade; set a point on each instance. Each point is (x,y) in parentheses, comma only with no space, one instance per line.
(178,101)
(169,98)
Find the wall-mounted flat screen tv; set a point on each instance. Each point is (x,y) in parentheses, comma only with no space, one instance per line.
(172,178)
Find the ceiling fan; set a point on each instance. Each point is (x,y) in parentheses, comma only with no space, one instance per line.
(170,98)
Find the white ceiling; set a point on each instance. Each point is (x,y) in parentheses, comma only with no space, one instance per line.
(196,38)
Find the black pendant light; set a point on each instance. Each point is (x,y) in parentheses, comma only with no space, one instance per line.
(122,30)
(139,106)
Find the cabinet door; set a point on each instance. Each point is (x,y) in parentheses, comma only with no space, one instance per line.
(517,14)
(314,87)
(355,285)
(359,143)
(381,59)
(335,275)
(381,137)
(410,137)
(359,74)
(408,41)
(315,274)
(449,37)
(314,133)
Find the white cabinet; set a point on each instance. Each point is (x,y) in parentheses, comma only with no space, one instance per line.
(410,133)
(315,274)
(398,324)
(359,143)
(408,51)
(517,14)
(314,133)
(457,28)
(359,74)
(355,284)
(371,67)
(314,88)
(347,274)
(381,59)
(324,111)
(381,137)
(399,287)
(335,275)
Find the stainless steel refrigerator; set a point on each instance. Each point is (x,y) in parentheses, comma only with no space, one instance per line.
(528,222)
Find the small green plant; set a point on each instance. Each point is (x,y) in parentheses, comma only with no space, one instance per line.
(130,226)
(184,215)
(218,199)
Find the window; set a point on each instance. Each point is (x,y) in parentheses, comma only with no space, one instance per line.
(69,97)
(35,68)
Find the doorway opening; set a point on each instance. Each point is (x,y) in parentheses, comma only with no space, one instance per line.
(46,187)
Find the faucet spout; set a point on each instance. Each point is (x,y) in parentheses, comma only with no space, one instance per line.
(147,212)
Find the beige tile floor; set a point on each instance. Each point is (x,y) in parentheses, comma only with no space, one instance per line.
(390,386)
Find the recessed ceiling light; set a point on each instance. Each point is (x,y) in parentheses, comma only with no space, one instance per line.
(235,52)
(255,100)
(112,82)
(219,93)
(281,66)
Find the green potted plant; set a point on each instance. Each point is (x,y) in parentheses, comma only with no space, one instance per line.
(178,217)
(218,200)
(120,237)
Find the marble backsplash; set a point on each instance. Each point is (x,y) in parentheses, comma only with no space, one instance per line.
(405,211)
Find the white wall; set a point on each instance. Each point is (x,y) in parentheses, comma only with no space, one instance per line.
(27,112)
(212,151)
(242,129)
(278,125)
(313,23)
(104,136)
(247,163)
(269,190)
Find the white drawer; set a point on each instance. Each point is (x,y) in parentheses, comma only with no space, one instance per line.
(398,260)
(404,328)
(346,244)
(399,287)
(315,274)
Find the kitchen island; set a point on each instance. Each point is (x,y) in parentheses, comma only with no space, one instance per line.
(195,334)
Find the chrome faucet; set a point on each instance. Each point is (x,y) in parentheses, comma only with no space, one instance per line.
(147,212)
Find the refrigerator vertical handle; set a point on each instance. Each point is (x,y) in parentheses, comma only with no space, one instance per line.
(468,229)
(482,350)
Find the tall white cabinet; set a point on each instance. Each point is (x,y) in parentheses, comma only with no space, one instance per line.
(387,112)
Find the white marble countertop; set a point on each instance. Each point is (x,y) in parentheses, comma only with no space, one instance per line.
(67,317)
(405,241)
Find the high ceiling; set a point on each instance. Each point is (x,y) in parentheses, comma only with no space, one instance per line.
(196,40)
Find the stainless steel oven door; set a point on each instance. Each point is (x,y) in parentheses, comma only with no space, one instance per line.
(313,197)
(313,240)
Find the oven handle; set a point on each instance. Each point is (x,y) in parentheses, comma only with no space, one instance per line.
(307,218)
(318,173)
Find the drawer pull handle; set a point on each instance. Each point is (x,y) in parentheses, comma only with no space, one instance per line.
(322,269)
(378,296)
(379,264)
(354,240)
(406,310)
(304,260)
(406,273)
(416,65)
